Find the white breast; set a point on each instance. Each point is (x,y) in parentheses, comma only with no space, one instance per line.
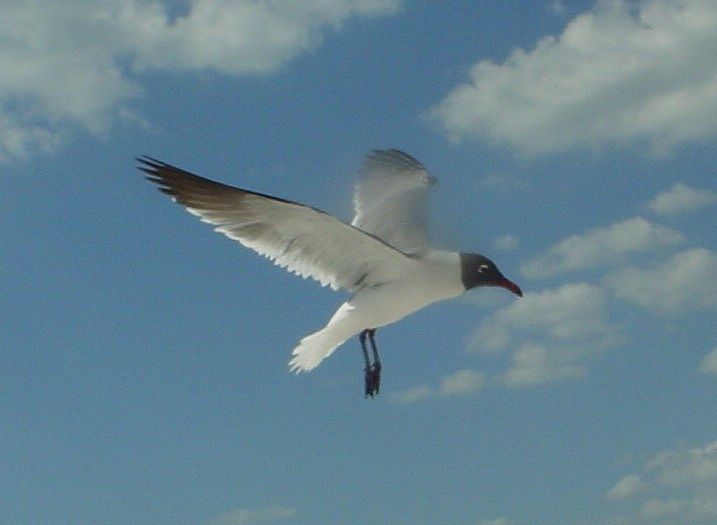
(433,278)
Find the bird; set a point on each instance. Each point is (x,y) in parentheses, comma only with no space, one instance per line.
(382,258)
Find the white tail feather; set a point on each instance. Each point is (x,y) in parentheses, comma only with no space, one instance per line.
(313,349)
(316,347)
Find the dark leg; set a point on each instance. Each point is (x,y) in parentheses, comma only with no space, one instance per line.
(376,367)
(362,338)
(372,372)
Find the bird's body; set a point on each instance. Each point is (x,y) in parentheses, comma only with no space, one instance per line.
(382,258)
(421,282)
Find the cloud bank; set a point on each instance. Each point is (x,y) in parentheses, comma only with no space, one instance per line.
(621,73)
(686,281)
(254,516)
(709,363)
(681,198)
(675,486)
(549,334)
(62,70)
(460,383)
(601,246)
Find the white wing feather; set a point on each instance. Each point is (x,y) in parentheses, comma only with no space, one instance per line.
(390,200)
(304,240)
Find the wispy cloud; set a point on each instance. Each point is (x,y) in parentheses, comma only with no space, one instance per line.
(549,334)
(254,516)
(507,242)
(626,487)
(497,521)
(569,312)
(709,363)
(675,486)
(460,383)
(536,364)
(601,246)
(557,7)
(684,282)
(620,73)
(681,198)
(62,70)
(413,394)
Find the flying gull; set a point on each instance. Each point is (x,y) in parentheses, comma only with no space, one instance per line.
(382,258)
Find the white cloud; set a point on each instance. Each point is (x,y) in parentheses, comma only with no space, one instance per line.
(557,7)
(246,36)
(683,510)
(58,67)
(497,521)
(77,63)
(460,383)
(550,333)
(413,394)
(18,137)
(626,487)
(681,198)
(695,466)
(662,508)
(252,516)
(709,363)
(507,242)
(686,281)
(601,246)
(534,364)
(619,73)
(676,485)
(571,312)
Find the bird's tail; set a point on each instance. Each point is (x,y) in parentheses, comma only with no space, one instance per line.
(316,347)
(313,349)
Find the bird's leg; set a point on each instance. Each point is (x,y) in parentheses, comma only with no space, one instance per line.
(367,371)
(362,338)
(376,367)
(372,371)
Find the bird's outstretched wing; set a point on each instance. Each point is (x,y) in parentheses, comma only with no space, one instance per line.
(304,240)
(390,200)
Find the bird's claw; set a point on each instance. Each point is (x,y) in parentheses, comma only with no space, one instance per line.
(372,379)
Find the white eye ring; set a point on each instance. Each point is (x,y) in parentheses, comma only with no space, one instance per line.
(482,268)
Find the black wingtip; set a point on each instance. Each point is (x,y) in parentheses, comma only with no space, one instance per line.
(152,168)
(150,164)
(175,181)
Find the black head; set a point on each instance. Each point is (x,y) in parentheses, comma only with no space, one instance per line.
(477,270)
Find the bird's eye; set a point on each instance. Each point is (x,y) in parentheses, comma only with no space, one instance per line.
(482,268)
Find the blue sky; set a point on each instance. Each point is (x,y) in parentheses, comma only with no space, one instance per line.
(143,373)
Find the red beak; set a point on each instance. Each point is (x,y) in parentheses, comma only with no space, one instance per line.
(511,286)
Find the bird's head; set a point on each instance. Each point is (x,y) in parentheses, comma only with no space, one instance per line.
(477,270)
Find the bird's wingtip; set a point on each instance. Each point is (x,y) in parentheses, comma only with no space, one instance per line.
(146,161)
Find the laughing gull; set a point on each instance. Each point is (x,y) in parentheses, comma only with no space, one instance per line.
(382,258)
